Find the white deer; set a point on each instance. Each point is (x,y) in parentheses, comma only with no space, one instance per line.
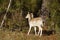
(33,22)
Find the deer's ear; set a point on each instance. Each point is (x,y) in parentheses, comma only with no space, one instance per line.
(28,12)
(32,14)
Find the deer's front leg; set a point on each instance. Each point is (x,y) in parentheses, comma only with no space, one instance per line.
(29,30)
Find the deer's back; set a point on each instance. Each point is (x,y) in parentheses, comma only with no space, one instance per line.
(36,21)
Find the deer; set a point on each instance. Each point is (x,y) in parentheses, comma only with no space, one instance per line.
(33,22)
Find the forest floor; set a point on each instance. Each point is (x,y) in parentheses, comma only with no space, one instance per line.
(8,35)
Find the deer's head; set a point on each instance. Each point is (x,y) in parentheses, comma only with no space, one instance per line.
(28,15)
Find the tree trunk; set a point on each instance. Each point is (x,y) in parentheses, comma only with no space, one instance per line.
(44,11)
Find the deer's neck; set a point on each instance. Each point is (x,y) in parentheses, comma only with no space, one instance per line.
(29,19)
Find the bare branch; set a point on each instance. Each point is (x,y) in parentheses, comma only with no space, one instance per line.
(5,14)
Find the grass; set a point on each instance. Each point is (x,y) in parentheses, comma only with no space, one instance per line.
(9,35)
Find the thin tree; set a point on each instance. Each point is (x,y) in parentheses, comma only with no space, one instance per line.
(4,18)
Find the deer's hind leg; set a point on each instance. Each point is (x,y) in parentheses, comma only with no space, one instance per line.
(35,30)
(40,31)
